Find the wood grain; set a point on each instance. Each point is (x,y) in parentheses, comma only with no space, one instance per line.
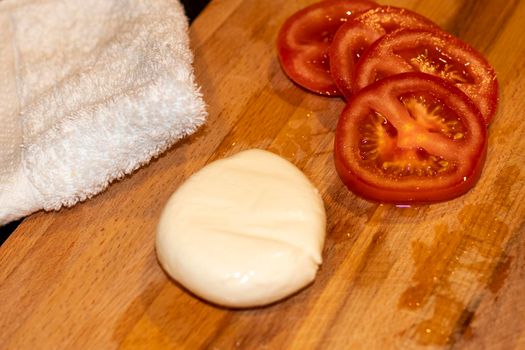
(448,275)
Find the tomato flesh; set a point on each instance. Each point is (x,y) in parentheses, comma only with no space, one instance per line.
(304,40)
(410,138)
(435,53)
(357,34)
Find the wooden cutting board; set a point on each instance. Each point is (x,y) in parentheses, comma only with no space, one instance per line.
(449,275)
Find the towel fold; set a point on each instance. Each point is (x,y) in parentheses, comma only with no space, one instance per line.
(91,90)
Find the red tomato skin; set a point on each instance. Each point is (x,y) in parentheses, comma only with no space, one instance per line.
(354,181)
(318,81)
(484,92)
(363,30)
(372,193)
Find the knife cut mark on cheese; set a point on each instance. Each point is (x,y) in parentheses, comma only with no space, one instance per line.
(243,231)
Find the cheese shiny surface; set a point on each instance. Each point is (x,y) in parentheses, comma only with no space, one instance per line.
(243,231)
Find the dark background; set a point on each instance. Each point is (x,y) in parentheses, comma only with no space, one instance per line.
(193,8)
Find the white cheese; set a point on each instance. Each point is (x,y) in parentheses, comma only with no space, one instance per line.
(243,231)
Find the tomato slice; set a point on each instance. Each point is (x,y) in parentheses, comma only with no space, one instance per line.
(357,34)
(410,138)
(304,40)
(435,53)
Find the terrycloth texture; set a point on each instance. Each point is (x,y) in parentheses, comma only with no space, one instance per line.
(90,90)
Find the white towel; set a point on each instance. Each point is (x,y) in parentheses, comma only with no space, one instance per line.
(90,90)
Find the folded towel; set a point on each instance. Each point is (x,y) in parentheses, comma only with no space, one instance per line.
(90,90)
